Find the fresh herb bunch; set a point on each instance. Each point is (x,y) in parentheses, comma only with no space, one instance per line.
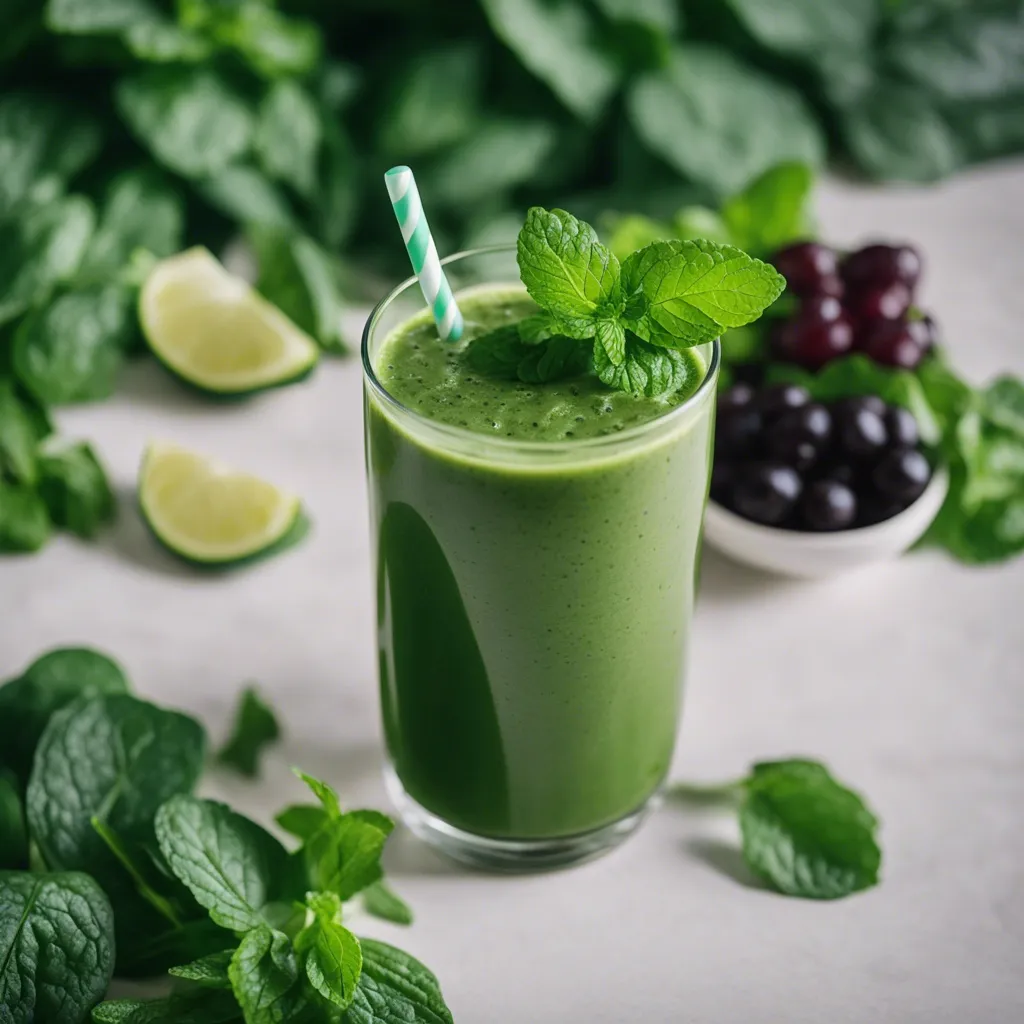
(109,864)
(803,833)
(631,320)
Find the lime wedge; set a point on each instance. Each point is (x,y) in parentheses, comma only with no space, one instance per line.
(212,515)
(212,330)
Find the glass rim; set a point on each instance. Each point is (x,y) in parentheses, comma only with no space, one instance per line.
(466,435)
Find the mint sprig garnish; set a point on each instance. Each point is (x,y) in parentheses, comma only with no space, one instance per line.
(804,833)
(666,296)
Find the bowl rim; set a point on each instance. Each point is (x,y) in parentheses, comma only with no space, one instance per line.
(935,493)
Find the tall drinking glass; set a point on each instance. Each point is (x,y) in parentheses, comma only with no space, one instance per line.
(533,608)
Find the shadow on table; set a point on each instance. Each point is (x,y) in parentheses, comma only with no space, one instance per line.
(145,382)
(130,540)
(405,855)
(723,857)
(723,581)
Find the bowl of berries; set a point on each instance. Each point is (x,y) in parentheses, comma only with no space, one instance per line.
(808,480)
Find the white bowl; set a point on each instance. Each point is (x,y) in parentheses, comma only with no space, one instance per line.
(815,555)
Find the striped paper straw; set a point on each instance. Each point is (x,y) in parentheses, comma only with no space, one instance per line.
(405,199)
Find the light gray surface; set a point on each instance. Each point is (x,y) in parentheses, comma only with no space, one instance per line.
(906,678)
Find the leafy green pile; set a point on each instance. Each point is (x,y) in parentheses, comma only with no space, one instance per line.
(803,833)
(632,320)
(109,864)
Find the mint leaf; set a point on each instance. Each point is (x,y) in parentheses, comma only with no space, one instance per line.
(552,360)
(302,820)
(343,857)
(264,973)
(56,946)
(772,210)
(806,834)
(231,865)
(254,729)
(209,971)
(50,683)
(395,987)
(324,793)
(683,293)
(75,488)
(502,353)
(13,834)
(611,335)
(699,222)
(381,901)
(646,370)
(334,959)
(567,271)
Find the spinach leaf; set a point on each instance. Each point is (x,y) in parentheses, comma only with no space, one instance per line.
(75,488)
(115,758)
(806,834)
(162,41)
(288,135)
(24,524)
(502,154)
(807,26)
(142,210)
(337,192)
(86,17)
(209,971)
(232,866)
(56,946)
(43,144)
(255,728)
(13,834)
(433,102)
(557,42)
(19,436)
(51,682)
(39,248)
(897,131)
(301,279)
(193,122)
(1003,404)
(772,210)
(72,349)
(721,122)
(396,987)
(247,195)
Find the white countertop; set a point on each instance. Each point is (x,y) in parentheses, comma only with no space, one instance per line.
(906,678)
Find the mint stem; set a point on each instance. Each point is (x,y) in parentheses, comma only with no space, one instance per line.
(705,793)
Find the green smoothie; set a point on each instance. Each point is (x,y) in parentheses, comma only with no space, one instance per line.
(534,600)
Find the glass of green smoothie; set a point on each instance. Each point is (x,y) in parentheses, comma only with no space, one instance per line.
(536,538)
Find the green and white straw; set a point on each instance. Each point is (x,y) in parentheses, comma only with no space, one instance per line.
(405,199)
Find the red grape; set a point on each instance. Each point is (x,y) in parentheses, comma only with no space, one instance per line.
(891,343)
(882,265)
(808,267)
(888,303)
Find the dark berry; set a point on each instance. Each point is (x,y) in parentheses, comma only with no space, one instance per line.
(881,265)
(812,342)
(841,473)
(823,308)
(722,476)
(890,343)
(862,433)
(799,436)
(876,508)
(848,406)
(888,303)
(903,432)
(736,397)
(737,433)
(831,284)
(828,505)
(776,399)
(924,331)
(766,492)
(902,474)
(805,266)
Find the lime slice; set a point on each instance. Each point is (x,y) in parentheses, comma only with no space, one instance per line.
(212,330)
(210,514)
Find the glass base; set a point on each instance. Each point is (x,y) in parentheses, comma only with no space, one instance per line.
(510,855)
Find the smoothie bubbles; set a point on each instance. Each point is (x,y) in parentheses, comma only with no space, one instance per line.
(536,490)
